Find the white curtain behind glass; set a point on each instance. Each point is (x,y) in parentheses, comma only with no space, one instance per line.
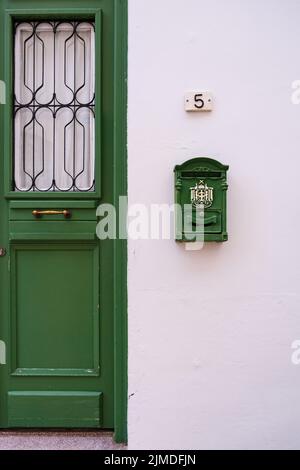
(54,107)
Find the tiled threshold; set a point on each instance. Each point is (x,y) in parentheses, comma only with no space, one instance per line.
(58,440)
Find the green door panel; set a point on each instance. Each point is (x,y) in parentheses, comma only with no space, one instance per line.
(55,315)
(57,296)
(55,409)
(46,230)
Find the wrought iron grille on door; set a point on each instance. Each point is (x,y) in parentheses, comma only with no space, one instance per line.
(54,106)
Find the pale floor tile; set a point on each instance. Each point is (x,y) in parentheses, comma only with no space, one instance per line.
(58,440)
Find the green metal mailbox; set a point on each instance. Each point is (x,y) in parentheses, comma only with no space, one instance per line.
(201,188)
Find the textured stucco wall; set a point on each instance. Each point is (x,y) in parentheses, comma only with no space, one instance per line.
(210,332)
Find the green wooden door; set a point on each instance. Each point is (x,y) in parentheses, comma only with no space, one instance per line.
(56,279)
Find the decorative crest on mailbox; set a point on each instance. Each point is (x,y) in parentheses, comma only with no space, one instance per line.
(201,194)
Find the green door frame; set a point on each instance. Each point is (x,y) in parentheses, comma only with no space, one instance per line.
(119,189)
(120,246)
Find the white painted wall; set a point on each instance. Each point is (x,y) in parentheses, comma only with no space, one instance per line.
(210,332)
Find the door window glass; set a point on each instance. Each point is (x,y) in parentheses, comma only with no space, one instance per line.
(54,106)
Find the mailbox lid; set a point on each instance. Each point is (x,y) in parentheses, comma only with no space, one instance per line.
(202,166)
